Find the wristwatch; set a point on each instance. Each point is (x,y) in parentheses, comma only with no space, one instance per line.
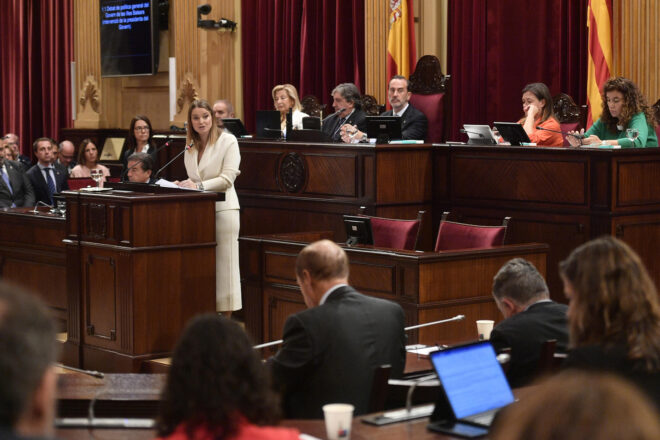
(200,186)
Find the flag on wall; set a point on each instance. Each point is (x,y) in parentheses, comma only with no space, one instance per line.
(599,22)
(401,55)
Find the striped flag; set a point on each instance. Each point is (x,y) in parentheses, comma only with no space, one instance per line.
(401,56)
(599,21)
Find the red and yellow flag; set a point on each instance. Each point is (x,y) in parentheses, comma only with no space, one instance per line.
(401,39)
(599,21)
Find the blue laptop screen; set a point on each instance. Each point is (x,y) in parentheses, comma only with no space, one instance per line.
(472,379)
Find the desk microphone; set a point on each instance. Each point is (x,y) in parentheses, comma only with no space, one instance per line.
(188,147)
(565,133)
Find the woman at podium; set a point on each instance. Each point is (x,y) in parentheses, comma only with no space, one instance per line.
(537,106)
(212,162)
(285,97)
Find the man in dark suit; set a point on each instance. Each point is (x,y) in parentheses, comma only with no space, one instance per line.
(67,156)
(140,168)
(414,124)
(15,187)
(330,350)
(347,103)
(46,179)
(531,318)
(12,142)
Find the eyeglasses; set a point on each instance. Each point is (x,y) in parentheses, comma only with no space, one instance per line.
(145,128)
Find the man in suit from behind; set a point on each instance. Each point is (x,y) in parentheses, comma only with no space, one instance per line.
(531,318)
(414,124)
(330,350)
(44,177)
(15,187)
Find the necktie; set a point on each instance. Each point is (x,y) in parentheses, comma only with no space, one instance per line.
(335,133)
(5,177)
(51,184)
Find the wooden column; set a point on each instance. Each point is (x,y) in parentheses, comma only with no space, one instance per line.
(376,24)
(88,64)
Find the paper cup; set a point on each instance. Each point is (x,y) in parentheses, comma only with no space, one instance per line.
(484,327)
(338,420)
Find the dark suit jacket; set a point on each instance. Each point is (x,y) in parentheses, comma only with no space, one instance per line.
(150,151)
(414,124)
(40,185)
(330,124)
(330,352)
(525,332)
(23,194)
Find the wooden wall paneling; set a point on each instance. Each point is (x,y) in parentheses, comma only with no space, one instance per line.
(187,50)
(376,24)
(89,93)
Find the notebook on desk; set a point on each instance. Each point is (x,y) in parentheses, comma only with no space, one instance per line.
(474,388)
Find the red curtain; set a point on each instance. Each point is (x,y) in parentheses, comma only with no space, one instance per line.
(312,44)
(497,47)
(36,47)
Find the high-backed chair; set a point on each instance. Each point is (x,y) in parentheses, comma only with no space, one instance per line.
(431,95)
(569,115)
(655,108)
(395,233)
(370,106)
(453,235)
(311,105)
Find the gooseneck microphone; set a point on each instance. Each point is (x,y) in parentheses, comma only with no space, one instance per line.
(565,133)
(188,147)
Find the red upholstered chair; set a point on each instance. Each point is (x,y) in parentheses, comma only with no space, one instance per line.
(570,116)
(396,233)
(431,95)
(80,182)
(453,235)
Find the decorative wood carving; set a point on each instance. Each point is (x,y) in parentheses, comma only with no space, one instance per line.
(427,79)
(566,110)
(90,93)
(370,106)
(187,93)
(292,172)
(312,106)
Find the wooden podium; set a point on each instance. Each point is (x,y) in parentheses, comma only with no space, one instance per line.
(140,263)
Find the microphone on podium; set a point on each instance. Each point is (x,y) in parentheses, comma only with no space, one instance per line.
(188,147)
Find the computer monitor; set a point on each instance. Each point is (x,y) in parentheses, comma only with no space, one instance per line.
(268,124)
(512,132)
(235,126)
(311,123)
(358,230)
(479,134)
(384,128)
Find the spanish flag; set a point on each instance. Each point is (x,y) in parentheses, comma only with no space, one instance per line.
(401,39)
(599,21)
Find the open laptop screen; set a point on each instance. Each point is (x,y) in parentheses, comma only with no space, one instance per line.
(472,379)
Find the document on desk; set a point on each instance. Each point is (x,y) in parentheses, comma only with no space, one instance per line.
(421,350)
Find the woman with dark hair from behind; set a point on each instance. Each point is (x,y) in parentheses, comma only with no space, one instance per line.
(613,313)
(624,107)
(218,388)
(537,107)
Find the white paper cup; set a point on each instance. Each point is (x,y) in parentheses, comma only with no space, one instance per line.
(484,327)
(338,420)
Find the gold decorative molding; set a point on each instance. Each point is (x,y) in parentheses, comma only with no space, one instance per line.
(187,93)
(90,93)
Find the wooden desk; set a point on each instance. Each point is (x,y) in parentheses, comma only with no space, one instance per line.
(560,196)
(429,286)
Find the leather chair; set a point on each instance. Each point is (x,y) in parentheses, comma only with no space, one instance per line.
(431,95)
(395,233)
(453,235)
(570,116)
(370,106)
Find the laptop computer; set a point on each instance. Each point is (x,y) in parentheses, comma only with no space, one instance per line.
(474,388)
(268,124)
(235,126)
(479,135)
(513,133)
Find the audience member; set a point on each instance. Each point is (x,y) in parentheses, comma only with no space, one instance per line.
(613,314)
(15,187)
(14,143)
(88,159)
(27,374)
(414,124)
(624,107)
(140,168)
(347,103)
(67,155)
(578,406)
(218,388)
(538,110)
(285,98)
(222,109)
(330,350)
(530,318)
(45,179)
(139,139)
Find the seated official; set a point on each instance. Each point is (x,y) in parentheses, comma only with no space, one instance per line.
(347,102)
(66,158)
(218,388)
(537,106)
(414,124)
(15,187)
(28,379)
(614,313)
(285,98)
(88,160)
(45,178)
(140,168)
(139,139)
(330,350)
(624,107)
(579,406)
(222,108)
(531,318)
(13,142)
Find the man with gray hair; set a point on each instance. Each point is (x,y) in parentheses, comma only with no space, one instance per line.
(347,102)
(531,318)
(222,108)
(28,378)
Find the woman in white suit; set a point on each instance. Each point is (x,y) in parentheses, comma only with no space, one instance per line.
(212,165)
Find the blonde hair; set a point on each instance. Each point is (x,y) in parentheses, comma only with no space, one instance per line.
(293,95)
(192,137)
